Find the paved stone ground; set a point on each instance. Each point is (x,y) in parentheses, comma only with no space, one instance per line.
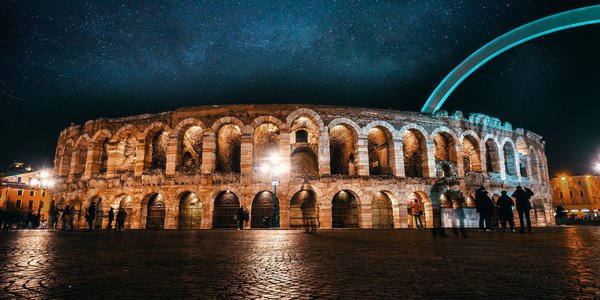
(550,263)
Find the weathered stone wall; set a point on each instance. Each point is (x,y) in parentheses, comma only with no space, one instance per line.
(152,165)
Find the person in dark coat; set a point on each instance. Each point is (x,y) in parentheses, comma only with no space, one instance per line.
(111,217)
(523,207)
(121,215)
(506,204)
(65,218)
(239,217)
(561,215)
(90,215)
(485,207)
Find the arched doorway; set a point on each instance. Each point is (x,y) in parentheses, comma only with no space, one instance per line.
(344,210)
(413,198)
(125,203)
(303,204)
(156,212)
(190,211)
(262,206)
(226,205)
(381,211)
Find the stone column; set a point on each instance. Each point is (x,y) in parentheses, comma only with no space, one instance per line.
(363,155)
(89,162)
(483,158)
(502,163)
(365,217)
(429,163)
(325,216)
(460,164)
(172,149)
(324,155)
(140,158)
(74,165)
(398,162)
(284,153)
(401,217)
(246,153)
(111,165)
(209,153)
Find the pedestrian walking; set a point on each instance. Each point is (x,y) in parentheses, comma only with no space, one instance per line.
(561,215)
(417,211)
(90,216)
(308,217)
(65,218)
(111,217)
(239,218)
(522,197)
(121,215)
(484,205)
(506,204)
(246,217)
(71,218)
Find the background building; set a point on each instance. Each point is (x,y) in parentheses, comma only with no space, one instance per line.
(580,195)
(24,193)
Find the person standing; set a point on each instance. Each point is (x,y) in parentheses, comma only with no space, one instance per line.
(239,218)
(523,207)
(417,211)
(111,217)
(71,218)
(121,215)
(90,215)
(65,218)
(561,215)
(506,204)
(485,207)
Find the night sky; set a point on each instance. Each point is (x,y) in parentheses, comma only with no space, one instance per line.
(71,61)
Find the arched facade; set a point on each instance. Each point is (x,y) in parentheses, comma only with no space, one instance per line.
(361,170)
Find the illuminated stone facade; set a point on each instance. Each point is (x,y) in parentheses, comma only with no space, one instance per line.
(353,167)
(580,195)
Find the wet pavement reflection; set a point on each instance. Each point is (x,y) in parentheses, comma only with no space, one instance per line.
(552,262)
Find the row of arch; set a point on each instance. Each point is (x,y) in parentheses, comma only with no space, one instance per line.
(310,147)
(345,210)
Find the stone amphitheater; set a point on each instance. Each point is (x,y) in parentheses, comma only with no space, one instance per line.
(354,167)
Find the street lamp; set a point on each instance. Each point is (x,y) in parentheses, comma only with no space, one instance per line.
(274,168)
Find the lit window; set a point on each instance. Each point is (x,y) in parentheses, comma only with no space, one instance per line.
(31,193)
(20,193)
(41,204)
(43,193)
(301,136)
(18,205)
(560,194)
(581,193)
(19,179)
(30,206)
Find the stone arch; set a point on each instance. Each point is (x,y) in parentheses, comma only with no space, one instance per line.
(304,162)
(414,149)
(380,143)
(190,211)
(125,143)
(471,153)
(311,114)
(492,154)
(422,196)
(98,151)
(445,152)
(65,158)
(542,165)
(523,158)
(81,150)
(343,146)
(535,164)
(265,139)
(510,158)
(304,204)
(187,141)
(225,207)
(228,141)
(155,139)
(227,120)
(262,207)
(154,206)
(345,209)
(382,212)
(126,202)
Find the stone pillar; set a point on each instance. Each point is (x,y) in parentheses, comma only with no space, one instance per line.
(284,153)
(483,158)
(363,155)
(74,165)
(401,217)
(172,149)
(429,163)
(111,164)
(246,154)
(398,162)
(502,163)
(209,154)
(365,217)
(140,158)
(89,163)
(324,153)
(460,164)
(325,216)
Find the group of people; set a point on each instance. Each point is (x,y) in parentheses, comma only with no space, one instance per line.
(241,217)
(502,209)
(67,217)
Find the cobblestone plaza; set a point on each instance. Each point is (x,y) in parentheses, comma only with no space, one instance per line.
(550,263)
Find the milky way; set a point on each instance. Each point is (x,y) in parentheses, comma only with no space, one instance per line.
(80,60)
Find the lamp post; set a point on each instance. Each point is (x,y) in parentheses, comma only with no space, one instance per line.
(274,168)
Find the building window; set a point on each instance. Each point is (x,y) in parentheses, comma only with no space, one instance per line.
(581,193)
(571,194)
(18,204)
(43,193)
(20,193)
(561,195)
(578,182)
(19,179)
(30,206)
(31,193)
(41,204)
(301,136)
